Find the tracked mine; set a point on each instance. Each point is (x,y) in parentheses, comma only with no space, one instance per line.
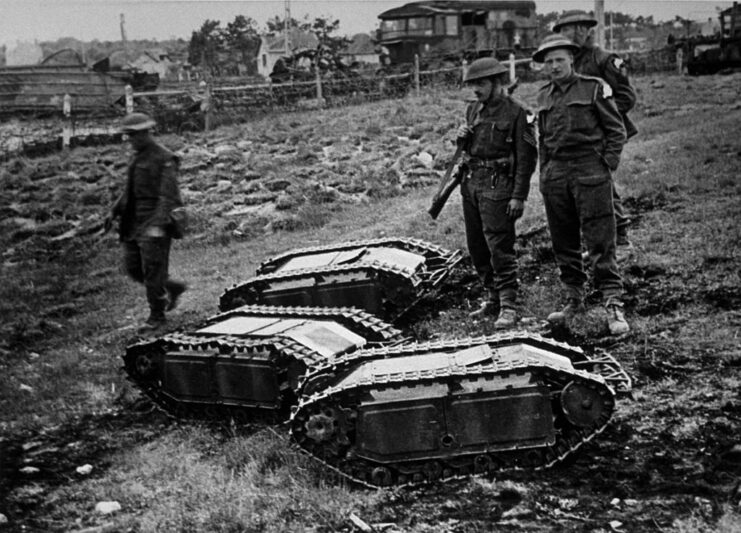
(384,277)
(426,412)
(246,363)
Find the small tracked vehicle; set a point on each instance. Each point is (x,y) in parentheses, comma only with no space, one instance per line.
(426,412)
(246,364)
(384,277)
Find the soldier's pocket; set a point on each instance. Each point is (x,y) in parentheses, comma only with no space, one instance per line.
(143,168)
(497,194)
(490,139)
(594,195)
(593,180)
(582,117)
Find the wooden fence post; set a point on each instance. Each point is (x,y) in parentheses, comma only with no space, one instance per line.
(319,97)
(416,75)
(67,127)
(680,61)
(129,96)
(206,107)
(512,72)
(464,70)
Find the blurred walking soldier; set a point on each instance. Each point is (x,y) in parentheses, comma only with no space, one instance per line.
(591,60)
(500,155)
(145,210)
(581,139)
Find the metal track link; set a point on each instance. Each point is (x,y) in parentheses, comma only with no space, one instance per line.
(410,279)
(337,457)
(406,273)
(369,322)
(412,245)
(605,366)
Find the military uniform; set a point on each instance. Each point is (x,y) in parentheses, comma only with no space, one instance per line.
(581,139)
(592,60)
(150,195)
(501,156)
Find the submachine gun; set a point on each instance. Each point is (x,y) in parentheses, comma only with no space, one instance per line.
(453,176)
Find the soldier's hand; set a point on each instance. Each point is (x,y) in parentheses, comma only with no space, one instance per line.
(464,130)
(515,208)
(154,231)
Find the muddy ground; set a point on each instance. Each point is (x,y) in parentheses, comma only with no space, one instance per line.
(669,461)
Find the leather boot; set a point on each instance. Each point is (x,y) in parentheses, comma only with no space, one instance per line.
(174,290)
(508,308)
(507,318)
(615,319)
(573,306)
(154,323)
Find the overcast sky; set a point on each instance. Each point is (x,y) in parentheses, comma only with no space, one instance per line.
(44,20)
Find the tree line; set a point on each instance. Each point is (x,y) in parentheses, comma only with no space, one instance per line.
(220,50)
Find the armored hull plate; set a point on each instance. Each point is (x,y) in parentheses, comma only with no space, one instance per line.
(247,363)
(425,412)
(384,277)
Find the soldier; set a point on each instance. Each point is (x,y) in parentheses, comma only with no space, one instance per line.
(591,60)
(500,155)
(581,139)
(144,209)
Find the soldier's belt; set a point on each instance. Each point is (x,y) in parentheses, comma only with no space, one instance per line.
(499,165)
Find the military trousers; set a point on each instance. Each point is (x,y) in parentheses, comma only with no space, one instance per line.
(490,236)
(621,219)
(579,204)
(146,261)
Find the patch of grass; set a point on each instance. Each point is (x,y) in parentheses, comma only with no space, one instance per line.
(190,480)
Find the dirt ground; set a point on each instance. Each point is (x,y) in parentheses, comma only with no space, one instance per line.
(669,461)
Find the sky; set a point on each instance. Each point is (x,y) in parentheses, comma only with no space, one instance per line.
(45,20)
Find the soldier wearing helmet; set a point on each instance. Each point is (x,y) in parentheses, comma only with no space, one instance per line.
(591,60)
(581,140)
(498,139)
(144,209)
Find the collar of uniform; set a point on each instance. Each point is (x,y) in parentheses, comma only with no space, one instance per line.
(494,101)
(562,86)
(146,148)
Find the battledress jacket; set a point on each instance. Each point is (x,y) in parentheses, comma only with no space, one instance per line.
(577,118)
(502,128)
(594,61)
(151,192)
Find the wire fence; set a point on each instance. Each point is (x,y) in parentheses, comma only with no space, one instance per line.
(652,61)
(203,106)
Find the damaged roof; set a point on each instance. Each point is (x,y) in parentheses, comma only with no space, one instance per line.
(451,7)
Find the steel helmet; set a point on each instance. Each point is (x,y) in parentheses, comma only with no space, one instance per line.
(484,68)
(554,42)
(136,122)
(575,16)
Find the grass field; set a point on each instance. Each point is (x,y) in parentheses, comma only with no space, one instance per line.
(666,463)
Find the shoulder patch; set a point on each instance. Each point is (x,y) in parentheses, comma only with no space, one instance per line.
(618,63)
(606,89)
(529,117)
